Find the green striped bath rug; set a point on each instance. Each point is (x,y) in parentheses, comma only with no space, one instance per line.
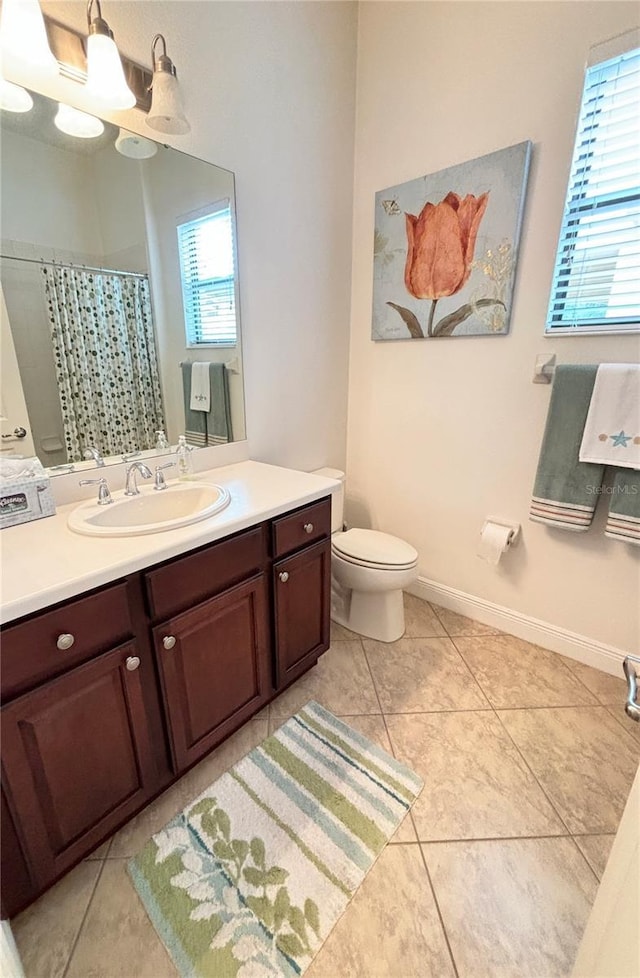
(248,880)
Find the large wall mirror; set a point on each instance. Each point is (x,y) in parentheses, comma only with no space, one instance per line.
(118,274)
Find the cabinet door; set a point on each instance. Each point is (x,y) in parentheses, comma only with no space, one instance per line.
(77,759)
(302,594)
(214,664)
(17,887)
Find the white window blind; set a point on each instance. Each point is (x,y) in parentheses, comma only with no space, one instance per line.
(208,278)
(596,280)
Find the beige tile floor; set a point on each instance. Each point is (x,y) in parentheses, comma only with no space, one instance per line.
(527,759)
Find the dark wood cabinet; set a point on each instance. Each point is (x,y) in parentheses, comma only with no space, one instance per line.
(17,885)
(214,667)
(76,759)
(110,696)
(302,593)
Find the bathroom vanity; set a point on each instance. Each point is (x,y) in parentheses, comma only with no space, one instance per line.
(125,661)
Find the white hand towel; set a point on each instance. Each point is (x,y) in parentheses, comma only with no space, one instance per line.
(612,429)
(200,387)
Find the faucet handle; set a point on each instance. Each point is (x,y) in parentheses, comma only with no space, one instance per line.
(94,453)
(104,496)
(159,478)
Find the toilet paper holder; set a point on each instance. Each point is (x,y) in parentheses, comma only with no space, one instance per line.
(515,528)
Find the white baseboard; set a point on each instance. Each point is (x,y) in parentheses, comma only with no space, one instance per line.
(575,646)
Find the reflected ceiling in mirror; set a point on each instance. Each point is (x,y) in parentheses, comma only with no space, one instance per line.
(118,272)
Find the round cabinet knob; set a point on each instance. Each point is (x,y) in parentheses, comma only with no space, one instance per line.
(65,641)
(308,527)
(132,663)
(169,641)
(284,576)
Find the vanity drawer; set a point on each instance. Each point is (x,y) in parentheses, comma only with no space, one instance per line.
(299,529)
(51,643)
(189,580)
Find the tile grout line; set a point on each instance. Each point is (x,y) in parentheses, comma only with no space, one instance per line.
(585,858)
(619,720)
(413,824)
(568,668)
(553,807)
(84,917)
(489,708)
(438,910)
(384,722)
(526,763)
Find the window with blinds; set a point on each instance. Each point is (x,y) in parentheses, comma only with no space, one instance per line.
(596,280)
(206,252)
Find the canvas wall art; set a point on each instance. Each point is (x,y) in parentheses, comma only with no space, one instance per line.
(445,249)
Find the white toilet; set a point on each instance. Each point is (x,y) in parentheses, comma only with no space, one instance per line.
(369,571)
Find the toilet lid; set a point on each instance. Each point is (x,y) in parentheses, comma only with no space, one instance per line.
(375,548)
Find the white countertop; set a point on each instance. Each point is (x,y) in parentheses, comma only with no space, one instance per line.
(44,562)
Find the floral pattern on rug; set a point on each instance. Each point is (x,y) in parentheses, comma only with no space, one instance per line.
(249,879)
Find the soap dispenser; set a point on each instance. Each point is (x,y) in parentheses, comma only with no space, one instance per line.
(162,445)
(185,462)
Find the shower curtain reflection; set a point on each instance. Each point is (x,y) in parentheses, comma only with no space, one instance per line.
(105,356)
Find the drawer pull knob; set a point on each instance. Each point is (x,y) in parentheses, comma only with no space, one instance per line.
(65,641)
(169,641)
(308,527)
(284,576)
(132,663)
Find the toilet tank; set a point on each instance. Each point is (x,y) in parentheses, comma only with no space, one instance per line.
(337,496)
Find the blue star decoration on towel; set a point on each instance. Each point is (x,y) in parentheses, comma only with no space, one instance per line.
(620,440)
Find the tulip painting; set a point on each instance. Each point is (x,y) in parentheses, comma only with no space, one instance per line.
(449,260)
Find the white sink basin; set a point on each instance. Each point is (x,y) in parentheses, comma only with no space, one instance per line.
(150,512)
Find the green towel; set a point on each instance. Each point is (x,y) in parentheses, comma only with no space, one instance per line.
(212,427)
(218,420)
(566,490)
(623,522)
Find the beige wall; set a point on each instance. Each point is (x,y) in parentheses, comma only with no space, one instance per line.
(441,434)
(175,186)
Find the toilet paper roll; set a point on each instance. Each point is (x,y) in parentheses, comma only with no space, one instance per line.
(494,540)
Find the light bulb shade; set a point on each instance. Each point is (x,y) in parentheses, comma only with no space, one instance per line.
(73,122)
(106,83)
(167,112)
(24,45)
(13,98)
(135,147)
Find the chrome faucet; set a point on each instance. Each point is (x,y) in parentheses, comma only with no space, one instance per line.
(104,496)
(131,489)
(159,482)
(94,453)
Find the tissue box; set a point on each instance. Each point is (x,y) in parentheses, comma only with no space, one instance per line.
(24,500)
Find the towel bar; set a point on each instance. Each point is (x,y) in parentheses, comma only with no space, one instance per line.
(231,365)
(544,369)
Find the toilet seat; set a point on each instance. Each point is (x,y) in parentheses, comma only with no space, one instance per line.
(370,548)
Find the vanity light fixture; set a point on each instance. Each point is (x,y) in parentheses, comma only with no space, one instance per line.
(167,111)
(73,122)
(106,83)
(23,40)
(24,45)
(135,147)
(13,98)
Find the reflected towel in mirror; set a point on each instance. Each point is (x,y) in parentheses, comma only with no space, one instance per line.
(212,427)
(200,387)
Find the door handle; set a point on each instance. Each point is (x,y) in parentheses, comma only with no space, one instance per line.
(17,433)
(631,707)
